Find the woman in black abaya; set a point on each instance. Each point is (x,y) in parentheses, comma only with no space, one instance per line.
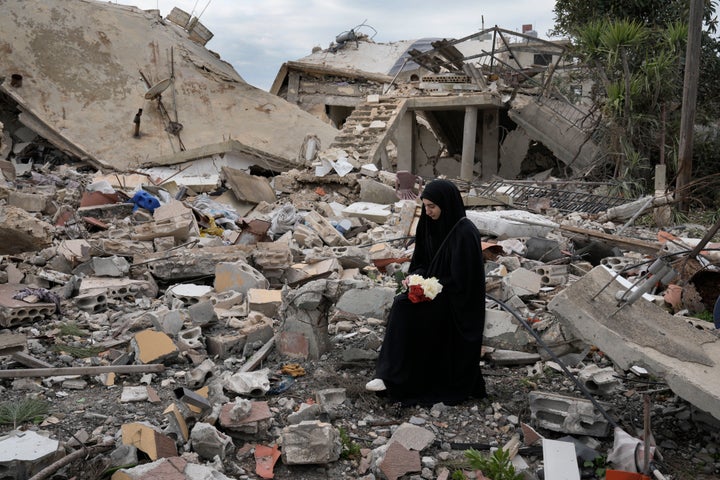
(431,351)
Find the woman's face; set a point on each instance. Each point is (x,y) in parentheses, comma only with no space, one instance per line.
(431,210)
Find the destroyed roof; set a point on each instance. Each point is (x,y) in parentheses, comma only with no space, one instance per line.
(87,67)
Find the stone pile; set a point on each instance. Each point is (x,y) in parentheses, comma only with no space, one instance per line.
(190,320)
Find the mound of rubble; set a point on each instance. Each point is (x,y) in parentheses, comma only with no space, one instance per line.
(228,334)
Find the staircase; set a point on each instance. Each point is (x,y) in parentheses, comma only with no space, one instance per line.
(368,129)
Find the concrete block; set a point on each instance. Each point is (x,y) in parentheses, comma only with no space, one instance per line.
(306,237)
(239,277)
(306,412)
(552,275)
(324,229)
(375,212)
(175,468)
(331,397)
(521,282)
(575,416)
(254,384)
(228,299)
(180,228)
(191,339)
(413,437)
(146,439)
(119,289)
(369,302)
(202,313)
(270,256)
(24,453)
(602,381)
(225,345)
(151,346)
(257,328)
(17,312)
(257,421)
(305,272)
(209,442)
(503,331)
(92,301)
(618,264)
(20,231)
(197,376)
(110,266)
(30,202)
(168,321)
(310,442)
(352,257)
(264,301)
(187,294)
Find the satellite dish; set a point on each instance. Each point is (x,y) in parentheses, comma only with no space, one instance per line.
(157,89)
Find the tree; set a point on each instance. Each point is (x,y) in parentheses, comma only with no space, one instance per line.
(634,51)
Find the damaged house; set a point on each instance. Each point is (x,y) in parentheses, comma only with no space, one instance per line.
(191,292)
(468,108)
(121,88)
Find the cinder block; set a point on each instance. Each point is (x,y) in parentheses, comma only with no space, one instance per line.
(16,312)
(310,442)
(238,276)
(225,346)
(264,301)
(552,275)
(565,414)
(602,381)
(30,202)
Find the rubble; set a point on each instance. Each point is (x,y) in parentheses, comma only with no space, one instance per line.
(223,324)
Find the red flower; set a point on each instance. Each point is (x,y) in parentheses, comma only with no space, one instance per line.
(416,294)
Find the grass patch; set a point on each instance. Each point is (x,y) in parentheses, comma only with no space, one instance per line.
(72,329)
(77,352)
(28,409)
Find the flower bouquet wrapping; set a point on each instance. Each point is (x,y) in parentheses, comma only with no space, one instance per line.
(421,289)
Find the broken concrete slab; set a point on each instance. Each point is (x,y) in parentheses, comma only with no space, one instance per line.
(189,263)
(151,346)
(22,232)
(248,188)
(132,39)
(24,453)
(643,334)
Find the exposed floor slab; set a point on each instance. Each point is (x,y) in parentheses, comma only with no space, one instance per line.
(643,333)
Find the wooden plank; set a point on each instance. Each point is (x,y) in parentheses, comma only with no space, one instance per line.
(51,372)
(30,361)
(650,248)
(258,356)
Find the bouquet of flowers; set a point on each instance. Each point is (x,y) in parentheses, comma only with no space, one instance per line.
(422,289)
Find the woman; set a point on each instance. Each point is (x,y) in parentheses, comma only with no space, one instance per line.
(431,351)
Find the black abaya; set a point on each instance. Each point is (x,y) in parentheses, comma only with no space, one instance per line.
(431,351)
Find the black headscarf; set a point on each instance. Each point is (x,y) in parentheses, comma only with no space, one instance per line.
(431,233)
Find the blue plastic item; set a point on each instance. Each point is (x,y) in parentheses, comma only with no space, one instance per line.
(716,313)
(143,199)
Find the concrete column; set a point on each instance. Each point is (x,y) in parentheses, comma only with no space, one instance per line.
(490,136)
(404,140)
(468,148)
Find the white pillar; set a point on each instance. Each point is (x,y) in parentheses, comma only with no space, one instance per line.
(404,141)
(468,147)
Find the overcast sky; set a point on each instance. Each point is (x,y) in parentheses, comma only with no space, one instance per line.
(257,36)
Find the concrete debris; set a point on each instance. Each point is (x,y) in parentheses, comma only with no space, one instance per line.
(174,274)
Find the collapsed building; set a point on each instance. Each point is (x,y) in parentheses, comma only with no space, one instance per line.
(107,223)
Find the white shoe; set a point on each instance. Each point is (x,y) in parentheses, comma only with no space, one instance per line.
(376,385)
